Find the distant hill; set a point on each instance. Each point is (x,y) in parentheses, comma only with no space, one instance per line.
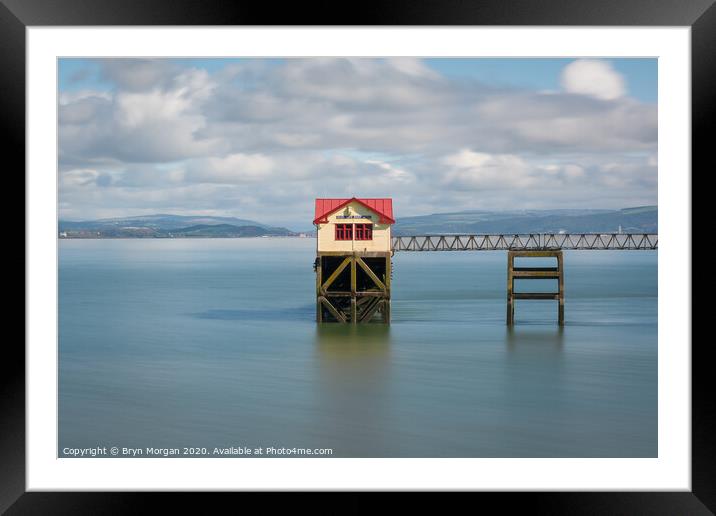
(169,226)
(159,221)
(643,219)
(224,231)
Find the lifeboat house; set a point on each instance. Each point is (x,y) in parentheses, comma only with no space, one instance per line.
(353,262)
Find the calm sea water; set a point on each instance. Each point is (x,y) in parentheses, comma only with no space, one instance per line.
(212,343)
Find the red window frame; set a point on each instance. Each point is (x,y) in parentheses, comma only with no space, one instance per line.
(364,232)
(344,231)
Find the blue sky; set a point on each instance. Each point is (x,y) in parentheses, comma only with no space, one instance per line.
(541,74)
(239,136)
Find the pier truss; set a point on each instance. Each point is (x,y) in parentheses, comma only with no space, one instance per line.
(527,242)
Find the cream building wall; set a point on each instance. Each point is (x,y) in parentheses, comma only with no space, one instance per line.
(327,232)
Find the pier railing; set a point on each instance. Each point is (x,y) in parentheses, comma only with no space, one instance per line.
(527,242)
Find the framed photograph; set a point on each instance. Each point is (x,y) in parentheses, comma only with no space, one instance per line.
(434,247)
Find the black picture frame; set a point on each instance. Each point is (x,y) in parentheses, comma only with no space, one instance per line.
(17,15)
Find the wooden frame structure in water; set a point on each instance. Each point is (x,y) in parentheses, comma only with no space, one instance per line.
(353,287)
(514,273)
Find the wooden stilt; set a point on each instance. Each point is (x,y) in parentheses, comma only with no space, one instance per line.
(560,309)
(510,288)
(387,281)
(354,312)
(388,272)
(319,282)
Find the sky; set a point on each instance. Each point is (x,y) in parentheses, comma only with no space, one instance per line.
(261,138)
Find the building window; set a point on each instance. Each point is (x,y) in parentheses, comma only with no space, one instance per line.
(364,231)
(344,231)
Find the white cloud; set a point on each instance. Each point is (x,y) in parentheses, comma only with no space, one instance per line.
(479,172)
(468,169)
(412,66)
(163,123)
(137,74)
(79,178)
(593,77)
(392,172)
(367,83)
(239,140)
(572,171)
(234,168)
(67,97)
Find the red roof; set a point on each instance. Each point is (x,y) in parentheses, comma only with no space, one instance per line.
(383,207)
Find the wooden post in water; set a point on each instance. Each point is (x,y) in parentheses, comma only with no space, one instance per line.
(354,311)
(386,280)
(514,273)
(510,289)
(560,266)
(319,307)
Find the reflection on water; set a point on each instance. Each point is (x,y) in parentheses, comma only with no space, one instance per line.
(353,386)
(213,343)
(552,337)
(352,341)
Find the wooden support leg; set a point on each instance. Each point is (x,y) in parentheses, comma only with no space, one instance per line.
(319,282)
(510,289)
(560,266)
(388,273)
(354,313)
(387,281)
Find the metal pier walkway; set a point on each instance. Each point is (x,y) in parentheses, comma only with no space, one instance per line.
(528,242)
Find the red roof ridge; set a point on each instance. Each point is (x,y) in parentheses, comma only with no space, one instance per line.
(383,206)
